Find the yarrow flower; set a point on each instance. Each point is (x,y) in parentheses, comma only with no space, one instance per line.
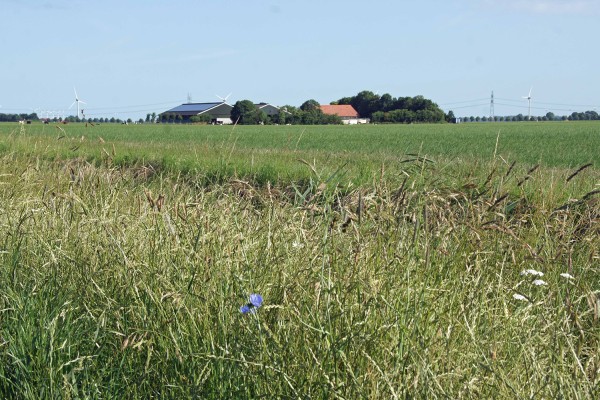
(520,297)
(255,301)
(539,282)
(566,275)
(532,272)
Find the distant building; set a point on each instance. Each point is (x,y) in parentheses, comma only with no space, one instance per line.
(268,109)
(220,113)
(346,112)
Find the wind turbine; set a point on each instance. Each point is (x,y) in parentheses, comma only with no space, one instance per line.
(77,101)
(223,99)
(528,97)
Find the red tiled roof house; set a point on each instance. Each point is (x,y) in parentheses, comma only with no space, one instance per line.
(345,111)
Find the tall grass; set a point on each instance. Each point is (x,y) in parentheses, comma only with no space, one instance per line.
(123,283)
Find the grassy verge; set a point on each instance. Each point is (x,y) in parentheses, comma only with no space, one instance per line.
(118,281)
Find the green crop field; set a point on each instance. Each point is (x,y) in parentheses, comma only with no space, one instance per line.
(393,261)
(271,152)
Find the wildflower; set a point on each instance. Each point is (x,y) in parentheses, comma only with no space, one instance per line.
(532,272)
(520,297)
(566,275)
(539,282)
(255,302)
(245,309)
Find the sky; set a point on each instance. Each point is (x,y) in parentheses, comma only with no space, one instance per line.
(129,58)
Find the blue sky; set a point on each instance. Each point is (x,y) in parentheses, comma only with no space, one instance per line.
(129,58)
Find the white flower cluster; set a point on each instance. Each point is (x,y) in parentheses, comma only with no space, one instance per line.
(532,272)
(520,297)
(537,282)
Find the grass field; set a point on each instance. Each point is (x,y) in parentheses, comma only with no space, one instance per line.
(394,261)
(272,152)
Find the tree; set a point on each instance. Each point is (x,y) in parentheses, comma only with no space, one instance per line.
(386,102)
(310,105)
(310,113)
(366,103)
(450,117)
(312,116)
(281,117)
(244,112)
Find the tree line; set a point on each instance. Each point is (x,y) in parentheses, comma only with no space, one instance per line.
(388,109)
(18,117)
(549,116)
(71,118)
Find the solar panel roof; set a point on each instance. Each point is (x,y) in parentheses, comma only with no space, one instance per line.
(193,107)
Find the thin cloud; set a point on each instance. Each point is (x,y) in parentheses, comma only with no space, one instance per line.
(548,6)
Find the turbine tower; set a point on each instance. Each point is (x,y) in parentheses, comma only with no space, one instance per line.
(77,101)
(528,97)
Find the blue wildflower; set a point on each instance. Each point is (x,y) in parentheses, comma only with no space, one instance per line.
(255,302)
(245,309)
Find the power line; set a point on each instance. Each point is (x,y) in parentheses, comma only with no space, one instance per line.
(465,101)
(551,104)
(135,106)
(511,100)
(471,106)
(117,109)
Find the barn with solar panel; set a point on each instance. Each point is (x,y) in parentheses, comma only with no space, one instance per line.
(220,113)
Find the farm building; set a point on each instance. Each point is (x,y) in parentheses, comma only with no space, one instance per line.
(220,112)
(268,109)
(346,112)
